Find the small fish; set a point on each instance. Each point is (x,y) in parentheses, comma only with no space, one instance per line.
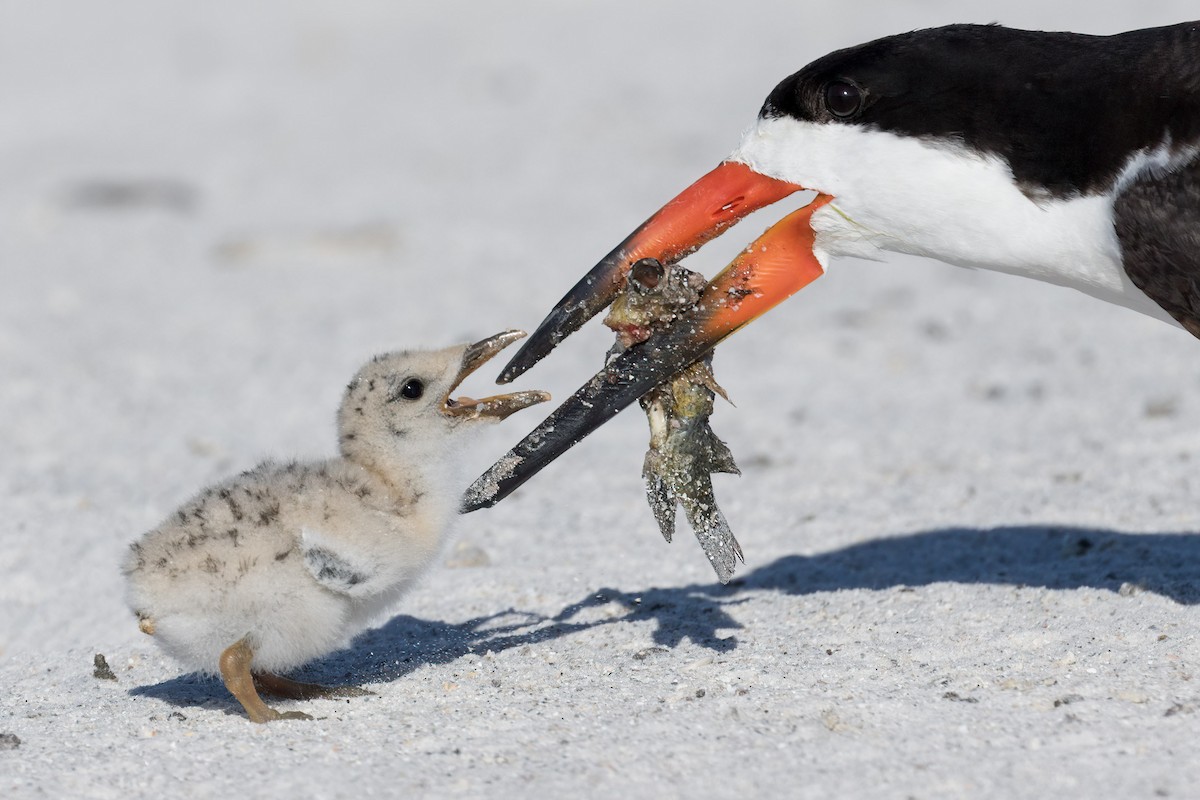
(684,451)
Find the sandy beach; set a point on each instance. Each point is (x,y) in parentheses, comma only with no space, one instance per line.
(968,502)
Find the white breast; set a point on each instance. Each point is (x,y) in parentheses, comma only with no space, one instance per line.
(940,199)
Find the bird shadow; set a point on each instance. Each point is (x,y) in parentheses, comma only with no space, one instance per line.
(1050,557)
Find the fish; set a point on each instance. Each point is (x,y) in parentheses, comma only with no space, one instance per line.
(684,452)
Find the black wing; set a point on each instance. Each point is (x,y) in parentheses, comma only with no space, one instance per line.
(1158,225)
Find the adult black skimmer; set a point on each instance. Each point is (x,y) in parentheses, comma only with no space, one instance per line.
(1069,158)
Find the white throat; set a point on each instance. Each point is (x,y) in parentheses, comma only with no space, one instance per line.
(942,200)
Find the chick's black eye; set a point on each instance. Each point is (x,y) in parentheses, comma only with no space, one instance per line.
(843,99)
(412,389)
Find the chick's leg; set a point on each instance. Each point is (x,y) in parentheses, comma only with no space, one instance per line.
(235,670)
(296,690)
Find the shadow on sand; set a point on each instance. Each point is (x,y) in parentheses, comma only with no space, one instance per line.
(1052,557)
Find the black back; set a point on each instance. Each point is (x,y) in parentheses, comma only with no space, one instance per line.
(1066,110)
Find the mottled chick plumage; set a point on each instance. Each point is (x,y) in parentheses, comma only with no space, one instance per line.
(289,560)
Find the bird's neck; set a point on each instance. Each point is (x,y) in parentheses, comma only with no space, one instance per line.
(409,471)
(941,200)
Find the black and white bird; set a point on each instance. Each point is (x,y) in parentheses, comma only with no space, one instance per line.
(1069,158)
(268,570)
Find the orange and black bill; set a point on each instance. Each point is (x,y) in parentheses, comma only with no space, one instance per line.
(700,213)
(778,264)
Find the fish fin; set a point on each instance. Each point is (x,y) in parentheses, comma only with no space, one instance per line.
(712,530)
(659,495)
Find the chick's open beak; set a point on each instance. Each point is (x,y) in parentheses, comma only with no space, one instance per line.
(775,266)
(498,406)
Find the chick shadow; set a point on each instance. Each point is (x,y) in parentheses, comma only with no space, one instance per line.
(1050,557)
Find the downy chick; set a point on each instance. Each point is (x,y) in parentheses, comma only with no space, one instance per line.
(282,564)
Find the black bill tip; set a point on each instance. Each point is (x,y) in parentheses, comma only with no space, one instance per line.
(626,378)
(587,298)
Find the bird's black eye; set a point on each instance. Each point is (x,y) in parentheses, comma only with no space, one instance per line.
(412,389)
(843,99)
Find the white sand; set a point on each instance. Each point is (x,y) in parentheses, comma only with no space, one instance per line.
(968,506)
